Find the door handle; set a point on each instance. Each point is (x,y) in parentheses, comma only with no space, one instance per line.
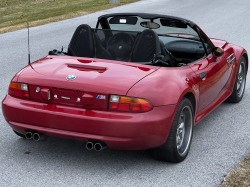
(203,75)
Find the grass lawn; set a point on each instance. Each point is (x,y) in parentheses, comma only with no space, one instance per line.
(240,176)
(14,14)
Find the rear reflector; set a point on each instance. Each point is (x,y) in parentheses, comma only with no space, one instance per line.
(128,104)
(17,89)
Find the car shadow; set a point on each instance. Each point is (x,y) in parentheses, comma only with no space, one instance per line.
(72,153)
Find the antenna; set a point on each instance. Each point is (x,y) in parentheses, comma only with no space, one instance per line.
(28,43)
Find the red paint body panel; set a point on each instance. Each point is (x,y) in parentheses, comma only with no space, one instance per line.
(218,74)
(117,77)
(119,130)
(166,86)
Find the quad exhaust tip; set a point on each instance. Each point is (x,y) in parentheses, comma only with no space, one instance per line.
(28,135)
(36,136)
(89,145)
(99,146)
(96,146)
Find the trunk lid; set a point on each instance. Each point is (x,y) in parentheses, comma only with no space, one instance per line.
(94,80)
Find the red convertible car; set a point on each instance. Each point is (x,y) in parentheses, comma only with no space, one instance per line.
(136,81)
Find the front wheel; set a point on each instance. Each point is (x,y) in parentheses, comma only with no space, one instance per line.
(177,145)
(239,84)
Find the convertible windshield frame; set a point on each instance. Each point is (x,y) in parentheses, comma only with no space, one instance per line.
(103,21)
(147,16)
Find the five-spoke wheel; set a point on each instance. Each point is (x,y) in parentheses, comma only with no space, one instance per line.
(240,82)
(184,130)
(177,145)
(241,79)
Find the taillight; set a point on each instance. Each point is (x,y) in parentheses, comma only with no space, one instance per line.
(128,104)
(19,90)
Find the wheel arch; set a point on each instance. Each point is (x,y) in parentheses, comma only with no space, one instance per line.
(191,97)
(246,57)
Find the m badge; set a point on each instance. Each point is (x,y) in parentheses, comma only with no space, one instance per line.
(101,97)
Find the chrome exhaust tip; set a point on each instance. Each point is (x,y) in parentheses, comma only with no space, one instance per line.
(100,146)
(28,135)
(36,136)
(89,145)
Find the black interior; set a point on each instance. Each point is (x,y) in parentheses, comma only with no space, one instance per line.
(178,41)
(131,46)
(120,45)
(101,52)
(185,51)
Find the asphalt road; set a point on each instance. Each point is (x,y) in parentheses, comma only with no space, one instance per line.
(220,141)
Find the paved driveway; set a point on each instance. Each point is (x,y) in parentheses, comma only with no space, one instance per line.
(220,141)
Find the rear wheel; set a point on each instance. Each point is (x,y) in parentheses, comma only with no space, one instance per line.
(177,145)
(239,84)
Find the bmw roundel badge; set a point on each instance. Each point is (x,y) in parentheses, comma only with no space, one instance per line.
(70,77)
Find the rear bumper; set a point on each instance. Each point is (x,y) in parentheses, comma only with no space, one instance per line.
(128,131)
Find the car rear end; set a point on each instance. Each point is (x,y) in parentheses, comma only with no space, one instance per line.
(92,107)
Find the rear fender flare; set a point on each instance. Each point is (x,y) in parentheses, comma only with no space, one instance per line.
(192,95)
(166,86)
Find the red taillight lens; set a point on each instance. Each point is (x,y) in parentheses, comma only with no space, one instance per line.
(19,90)
(128,104)
(113,106)
(123,107)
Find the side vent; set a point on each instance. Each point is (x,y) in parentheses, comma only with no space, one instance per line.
(231,58)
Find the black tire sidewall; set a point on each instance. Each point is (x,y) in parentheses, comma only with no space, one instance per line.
(235,98)
(184,102)
(168,151)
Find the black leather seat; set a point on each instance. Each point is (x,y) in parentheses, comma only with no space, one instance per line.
(85,43)
(147,47)
(82,43)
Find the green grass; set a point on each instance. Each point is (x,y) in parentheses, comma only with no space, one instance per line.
(14,14)
(240,176)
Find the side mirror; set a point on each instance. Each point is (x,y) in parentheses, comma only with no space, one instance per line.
(217,52)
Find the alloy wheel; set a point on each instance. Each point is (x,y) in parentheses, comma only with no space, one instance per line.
(184,131)
(241,79)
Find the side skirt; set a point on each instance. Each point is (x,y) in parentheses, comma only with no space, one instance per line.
(220,99)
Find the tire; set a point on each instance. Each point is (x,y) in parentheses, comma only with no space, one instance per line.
(19,134)
(177,145)
(239,84)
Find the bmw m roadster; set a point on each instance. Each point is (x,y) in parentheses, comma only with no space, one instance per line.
(136,81)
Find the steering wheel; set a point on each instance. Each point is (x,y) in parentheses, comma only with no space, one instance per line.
(119,45)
